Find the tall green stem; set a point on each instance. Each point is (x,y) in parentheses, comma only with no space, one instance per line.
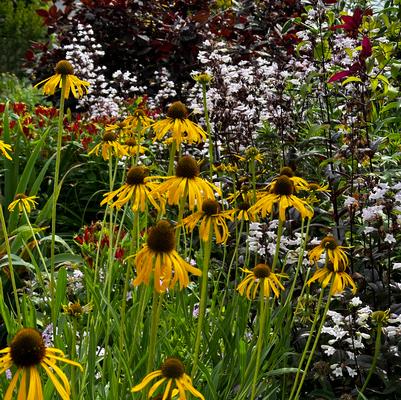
(259,345)
(156,306)
(306,348)
(207,249)
(10,265)
(208,130)
(173,150)
(277,251)
(374,361)
(312,352)
(56,191)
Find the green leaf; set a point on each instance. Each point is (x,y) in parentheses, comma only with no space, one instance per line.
(351,79)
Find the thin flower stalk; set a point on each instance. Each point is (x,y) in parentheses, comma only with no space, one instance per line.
(10,265)
(264,307)
(375,357)
(312,329)
(208,128)
(312,352)
(154,326)
(207,249)
(56,192)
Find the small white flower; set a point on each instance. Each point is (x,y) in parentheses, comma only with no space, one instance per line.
(356,301)
(329,350)
(390,238)
(351,371)
(396,266)
(337,370)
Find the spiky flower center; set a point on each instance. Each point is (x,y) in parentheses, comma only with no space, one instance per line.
(329,243)
(283,186)
(244,206)
(161,238)
(130,142)
(210,207)
(172,368)
(64,67)
(138,113)
(341,267)
(20,196)
(187,168)
(27,348)
(177,110)
(75,310)
(109,137)
(136,175)
(287,171)
(261,271)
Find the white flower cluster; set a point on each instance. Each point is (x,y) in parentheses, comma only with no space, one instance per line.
(105,96)
(263,237)
(242,95)
(348,335)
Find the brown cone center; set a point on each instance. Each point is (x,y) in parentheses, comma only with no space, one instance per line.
(27,348)
(161,238)
(172,368)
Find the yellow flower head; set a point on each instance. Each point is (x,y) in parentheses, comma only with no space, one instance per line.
(341,279)
(4,148)
(186,183)
(138,188)
(76,310)
(132,147)
(23,202)
(64,72)
(176,122)
(211,218)
(172,373)
(261,274)
(298,182)
(27,352)
(158,258)
(335,253)
(109,146)
(380,317)
(139,120)
(202,78)
(282,194)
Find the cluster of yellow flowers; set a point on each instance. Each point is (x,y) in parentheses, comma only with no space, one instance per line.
(158,261)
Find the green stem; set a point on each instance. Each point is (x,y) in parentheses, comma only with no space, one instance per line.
(374,361)
(208,130)
(277,251)
(312,352)
(259,345)
(207,249)
(38,272)
(56,191)
(306,348)
(173,150)
(156,306)
(10,265)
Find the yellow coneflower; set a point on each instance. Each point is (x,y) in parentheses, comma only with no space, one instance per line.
(341,279)
(138,188)
(139,120)
(109,146)
(4,148)
(27,351)
(251,154)
(76,310)
(210,217)
(241,212)
(186,183)
(23,202)
(171,372)
(177,122)
(335,253)
(158,258)
(132,147)
(64,70)
(299,183)
(261,273)
(282,194)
